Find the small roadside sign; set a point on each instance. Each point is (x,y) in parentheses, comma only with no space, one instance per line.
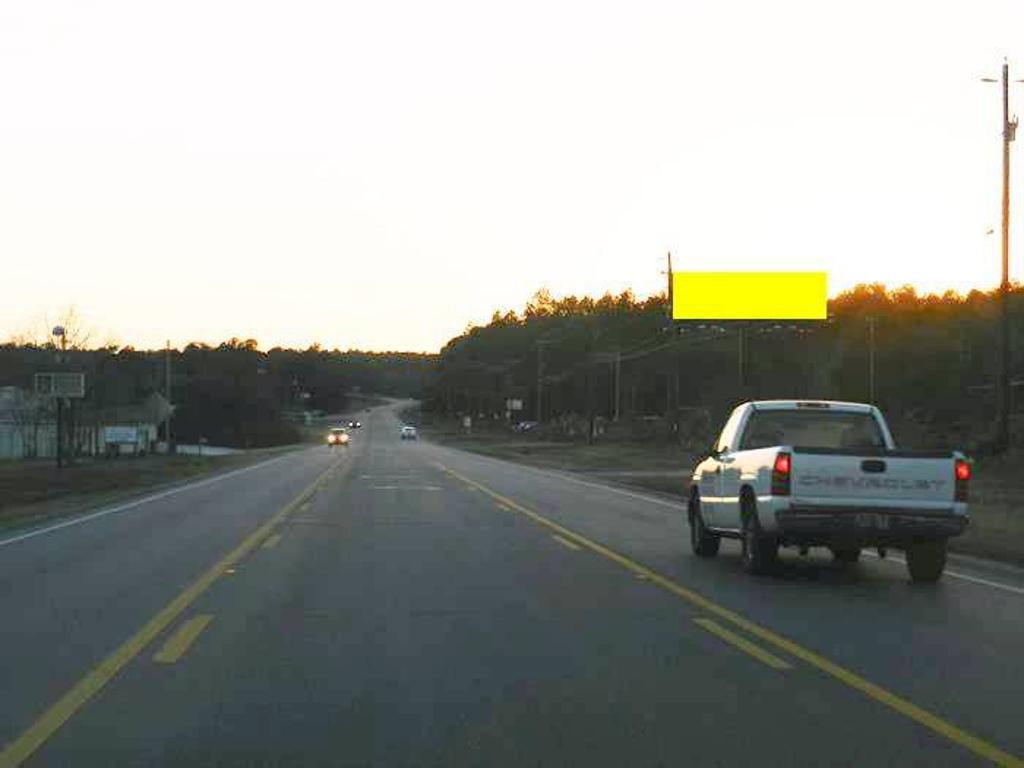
(60,384)
(123,435)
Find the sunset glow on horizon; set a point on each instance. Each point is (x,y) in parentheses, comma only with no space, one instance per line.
(379,176)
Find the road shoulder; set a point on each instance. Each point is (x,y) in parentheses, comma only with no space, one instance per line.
(18,518)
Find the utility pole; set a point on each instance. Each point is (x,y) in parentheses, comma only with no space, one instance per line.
(618,383)
(673,384)
(741,353)
(167,393)
(60,331)
(668,273)
(540,378)
(589,360)
(1002,441)
(1009,131)
(590,400)
(871,359)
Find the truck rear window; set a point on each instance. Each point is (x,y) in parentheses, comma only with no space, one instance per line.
(812,429)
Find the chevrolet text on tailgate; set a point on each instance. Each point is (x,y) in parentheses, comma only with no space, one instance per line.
(821,473)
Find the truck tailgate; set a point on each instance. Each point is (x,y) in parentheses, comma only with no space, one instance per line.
(916,480)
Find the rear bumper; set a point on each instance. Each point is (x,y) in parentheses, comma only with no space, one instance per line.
(866,526)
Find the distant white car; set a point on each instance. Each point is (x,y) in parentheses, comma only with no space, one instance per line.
(337,436)
(408,432)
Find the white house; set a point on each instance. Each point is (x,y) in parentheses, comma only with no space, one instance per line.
(28,426)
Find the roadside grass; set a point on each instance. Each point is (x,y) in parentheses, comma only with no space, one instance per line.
(997,514)
(32,491)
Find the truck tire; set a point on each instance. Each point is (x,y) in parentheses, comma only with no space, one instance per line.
(926,561)
(846,555)
(702,541)
(760,552)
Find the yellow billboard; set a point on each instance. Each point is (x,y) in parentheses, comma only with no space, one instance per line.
(749,295)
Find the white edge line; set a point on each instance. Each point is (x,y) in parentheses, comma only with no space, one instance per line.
(137,502)
(664,502)
(959,575)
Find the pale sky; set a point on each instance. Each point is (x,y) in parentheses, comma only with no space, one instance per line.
(379,174)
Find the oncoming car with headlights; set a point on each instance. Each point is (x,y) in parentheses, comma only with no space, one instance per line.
(337,436)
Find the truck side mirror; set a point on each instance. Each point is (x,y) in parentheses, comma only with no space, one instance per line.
(713,452)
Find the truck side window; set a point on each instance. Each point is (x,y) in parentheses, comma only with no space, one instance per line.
(761,432)
(729,431)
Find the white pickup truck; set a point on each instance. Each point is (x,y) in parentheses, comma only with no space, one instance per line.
(822,473)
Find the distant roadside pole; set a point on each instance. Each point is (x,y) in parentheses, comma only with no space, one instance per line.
(167,393)
(61,386)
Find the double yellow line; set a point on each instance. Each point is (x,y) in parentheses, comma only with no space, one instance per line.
(921,716)
(19,750)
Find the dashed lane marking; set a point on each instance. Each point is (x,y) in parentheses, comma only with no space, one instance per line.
(742,644)
(76,697)
(178,643)
(566,543)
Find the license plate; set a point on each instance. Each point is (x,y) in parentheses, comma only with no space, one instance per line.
(872,520)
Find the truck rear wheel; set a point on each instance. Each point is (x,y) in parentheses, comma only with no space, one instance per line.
(926,561)
(760,552)
(702,541)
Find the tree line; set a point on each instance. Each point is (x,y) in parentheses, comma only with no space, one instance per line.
(930,361)
(230,394)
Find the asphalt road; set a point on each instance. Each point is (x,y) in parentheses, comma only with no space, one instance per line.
(400,603)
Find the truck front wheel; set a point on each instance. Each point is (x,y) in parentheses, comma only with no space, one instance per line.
(926,561)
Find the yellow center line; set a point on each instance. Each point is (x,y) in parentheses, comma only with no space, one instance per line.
(743,644)
(921,716)
(503,508)
(565,542)
(19,750)
(271,541)
(181,640)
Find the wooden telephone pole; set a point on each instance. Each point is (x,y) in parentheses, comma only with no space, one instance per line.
(1002,441)
(1009,131)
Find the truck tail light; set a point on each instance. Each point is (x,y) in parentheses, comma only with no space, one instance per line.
(781,473)
(961,475)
